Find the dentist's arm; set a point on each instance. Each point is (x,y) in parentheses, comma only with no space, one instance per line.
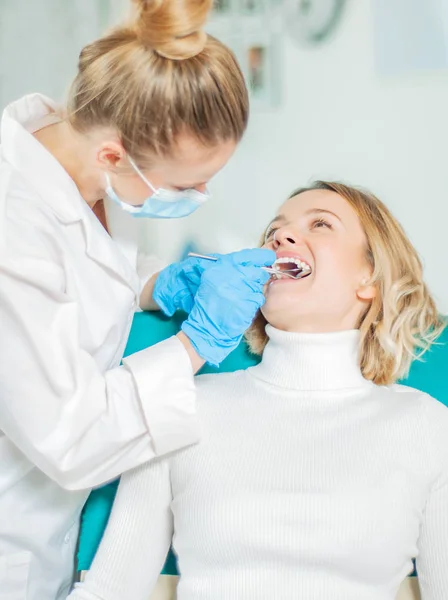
(147,301)
(79,425)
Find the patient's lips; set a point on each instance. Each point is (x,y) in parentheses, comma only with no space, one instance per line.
(293,264)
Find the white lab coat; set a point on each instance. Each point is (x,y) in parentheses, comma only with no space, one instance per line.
(70,417)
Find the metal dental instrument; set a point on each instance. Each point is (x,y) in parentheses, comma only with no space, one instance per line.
(271,270)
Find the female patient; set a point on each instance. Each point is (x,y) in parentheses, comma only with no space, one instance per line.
(317,478)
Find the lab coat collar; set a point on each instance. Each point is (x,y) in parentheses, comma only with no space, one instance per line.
(40,169)
(52,183)
(98,248)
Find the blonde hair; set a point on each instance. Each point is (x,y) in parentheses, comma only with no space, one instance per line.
(158,76)
(402,321)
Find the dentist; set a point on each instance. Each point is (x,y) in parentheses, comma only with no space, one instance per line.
(156,109)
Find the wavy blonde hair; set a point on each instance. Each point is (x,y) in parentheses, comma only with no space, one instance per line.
(402,321)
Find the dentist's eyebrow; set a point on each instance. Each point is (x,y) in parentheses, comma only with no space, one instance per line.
(319,211)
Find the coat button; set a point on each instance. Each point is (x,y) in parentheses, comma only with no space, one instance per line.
(67,538)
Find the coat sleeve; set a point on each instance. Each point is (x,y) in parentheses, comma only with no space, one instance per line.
(79,426)
(137,538)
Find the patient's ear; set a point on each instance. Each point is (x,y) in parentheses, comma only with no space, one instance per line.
(366,290)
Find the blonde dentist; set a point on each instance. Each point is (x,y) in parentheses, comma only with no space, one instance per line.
(156,109)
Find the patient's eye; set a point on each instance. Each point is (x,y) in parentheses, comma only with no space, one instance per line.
(269,235)
(321,223)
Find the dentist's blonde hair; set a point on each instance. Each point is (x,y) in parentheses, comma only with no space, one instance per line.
(402,321)
(158,76)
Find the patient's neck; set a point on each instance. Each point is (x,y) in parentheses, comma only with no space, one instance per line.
(312,361)
(319,323)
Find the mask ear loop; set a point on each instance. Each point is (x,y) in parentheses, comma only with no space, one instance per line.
(140,174)
(274,238)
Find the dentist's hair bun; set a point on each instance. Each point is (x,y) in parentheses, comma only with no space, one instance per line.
(174,29)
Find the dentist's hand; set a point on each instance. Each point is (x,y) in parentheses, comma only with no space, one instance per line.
(226,302)
(176,286)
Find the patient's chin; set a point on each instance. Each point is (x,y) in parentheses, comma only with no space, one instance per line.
(291,313)
(280,313)
(284,298)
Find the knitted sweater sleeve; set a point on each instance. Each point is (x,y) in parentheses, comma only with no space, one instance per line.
(137,538)
(432,560)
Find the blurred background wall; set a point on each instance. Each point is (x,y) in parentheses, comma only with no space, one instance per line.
(367,106)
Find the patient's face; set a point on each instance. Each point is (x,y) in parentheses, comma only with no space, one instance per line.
(321,228)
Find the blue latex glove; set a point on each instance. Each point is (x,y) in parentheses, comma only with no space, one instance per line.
(177,284)
(227,300)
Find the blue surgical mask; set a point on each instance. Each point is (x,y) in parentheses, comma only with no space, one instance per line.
(163,204)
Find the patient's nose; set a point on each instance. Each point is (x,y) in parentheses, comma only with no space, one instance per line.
(285,237)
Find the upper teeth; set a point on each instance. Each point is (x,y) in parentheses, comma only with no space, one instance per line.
(300,263)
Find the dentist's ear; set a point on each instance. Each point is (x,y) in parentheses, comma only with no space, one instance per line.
(366,291)
(111,154)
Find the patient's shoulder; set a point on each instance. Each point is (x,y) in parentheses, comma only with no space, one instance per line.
(415,401)
(418,400)
(421,413)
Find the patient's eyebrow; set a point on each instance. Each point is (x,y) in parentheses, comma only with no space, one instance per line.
(319,211)
(275,220)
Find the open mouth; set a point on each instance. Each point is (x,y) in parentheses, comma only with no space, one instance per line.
(291,268)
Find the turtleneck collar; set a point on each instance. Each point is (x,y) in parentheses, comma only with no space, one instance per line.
(311,361)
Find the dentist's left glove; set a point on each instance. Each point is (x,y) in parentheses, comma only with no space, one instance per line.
(177,284)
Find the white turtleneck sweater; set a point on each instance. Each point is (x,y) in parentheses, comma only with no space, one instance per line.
(310,482)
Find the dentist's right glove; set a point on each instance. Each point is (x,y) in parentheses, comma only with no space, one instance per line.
(227,300)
